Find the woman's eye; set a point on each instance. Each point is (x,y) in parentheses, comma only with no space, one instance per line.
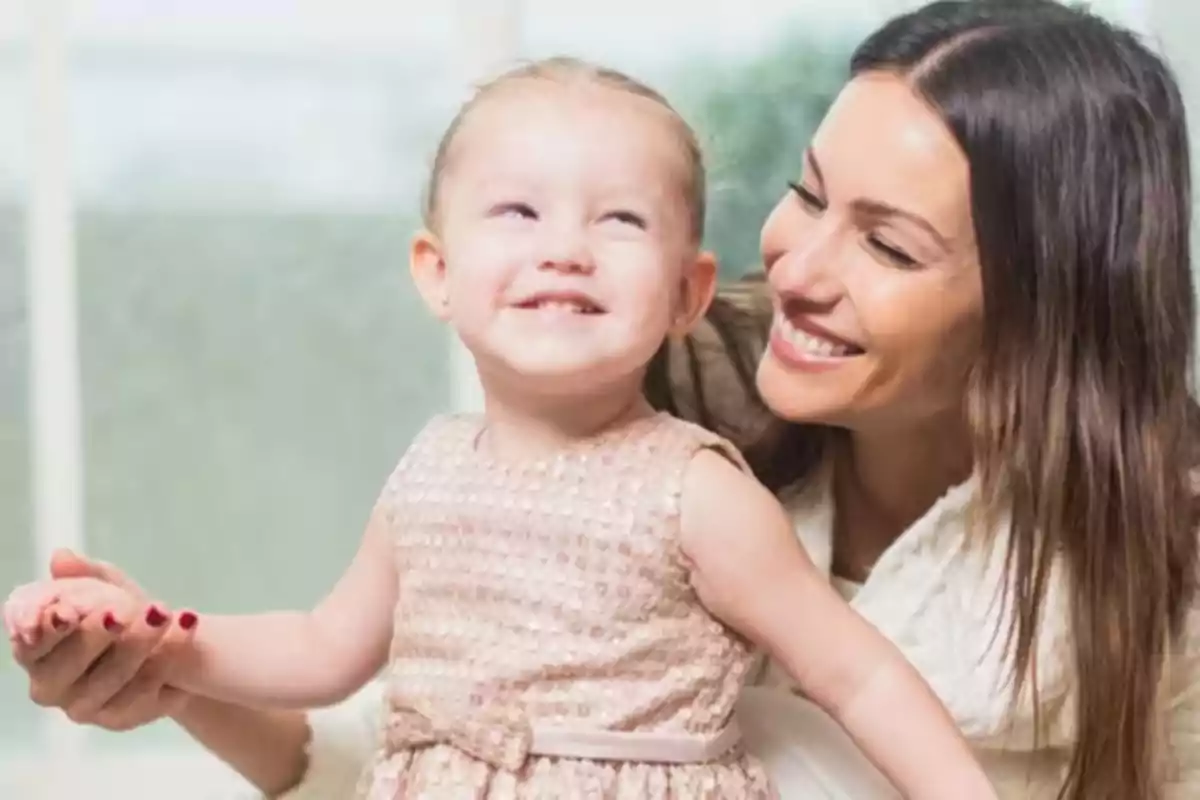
(808,198)
(891,252)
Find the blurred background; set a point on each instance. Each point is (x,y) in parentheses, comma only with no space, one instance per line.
(210,353)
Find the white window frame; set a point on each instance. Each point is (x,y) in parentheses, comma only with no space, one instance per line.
(57,446)
(62,766)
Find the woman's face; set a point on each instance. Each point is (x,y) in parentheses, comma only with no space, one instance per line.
(872,262)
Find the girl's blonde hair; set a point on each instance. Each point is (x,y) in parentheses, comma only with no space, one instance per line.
(568,71)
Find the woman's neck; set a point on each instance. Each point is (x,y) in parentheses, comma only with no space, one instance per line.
(885,481)
(523,425)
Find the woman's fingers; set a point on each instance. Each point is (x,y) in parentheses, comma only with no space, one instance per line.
(141,702)
(119,665)
(94,647)
(146,697)
(52,674)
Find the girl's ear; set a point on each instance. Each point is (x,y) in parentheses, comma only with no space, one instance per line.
(698,286)
(427,264)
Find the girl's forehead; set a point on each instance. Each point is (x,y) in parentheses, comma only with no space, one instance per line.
(531,132)
(538,107)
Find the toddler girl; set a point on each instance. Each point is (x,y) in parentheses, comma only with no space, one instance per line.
(567,590)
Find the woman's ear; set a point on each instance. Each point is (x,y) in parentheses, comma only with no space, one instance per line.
(698,286)
(427,264)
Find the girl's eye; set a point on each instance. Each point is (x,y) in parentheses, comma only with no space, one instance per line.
(514,209)
(627,218)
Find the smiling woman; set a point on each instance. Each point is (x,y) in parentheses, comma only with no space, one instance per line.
(893,325)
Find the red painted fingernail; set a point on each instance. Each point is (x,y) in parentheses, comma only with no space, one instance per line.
(155,618)
(110,623)
(188,620)
(57,622)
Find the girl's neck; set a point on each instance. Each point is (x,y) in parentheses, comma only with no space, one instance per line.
(521,425)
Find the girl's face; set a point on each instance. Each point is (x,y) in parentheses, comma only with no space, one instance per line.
(564,253)
(872,260)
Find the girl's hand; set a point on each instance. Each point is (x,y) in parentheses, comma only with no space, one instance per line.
(114,675)
(56,606)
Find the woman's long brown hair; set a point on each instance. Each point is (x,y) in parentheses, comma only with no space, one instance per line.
(1084,428)
(1085,431)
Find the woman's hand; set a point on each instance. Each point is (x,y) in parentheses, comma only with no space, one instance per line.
(120,679)
(114,676)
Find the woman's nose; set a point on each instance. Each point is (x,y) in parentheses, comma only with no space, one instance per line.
(806,269)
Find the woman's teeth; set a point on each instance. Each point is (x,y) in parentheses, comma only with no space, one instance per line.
(812,344)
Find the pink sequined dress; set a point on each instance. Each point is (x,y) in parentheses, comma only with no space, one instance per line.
(548,644)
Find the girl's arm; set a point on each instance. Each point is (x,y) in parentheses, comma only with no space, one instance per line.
(302,659)
(750,571)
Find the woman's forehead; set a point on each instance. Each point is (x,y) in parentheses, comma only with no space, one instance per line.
(881,142)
